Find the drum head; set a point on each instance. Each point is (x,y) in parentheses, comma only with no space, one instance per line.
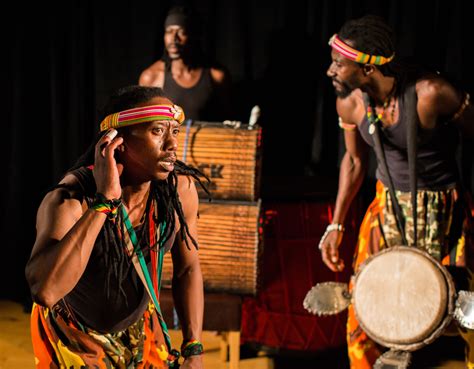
(401,297)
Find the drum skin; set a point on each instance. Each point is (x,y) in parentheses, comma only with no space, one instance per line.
(403,298)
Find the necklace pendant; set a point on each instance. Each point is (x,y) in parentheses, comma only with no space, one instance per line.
(371,128)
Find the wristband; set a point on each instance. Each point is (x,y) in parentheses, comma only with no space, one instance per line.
(331,227)
(108,207)
(191,348)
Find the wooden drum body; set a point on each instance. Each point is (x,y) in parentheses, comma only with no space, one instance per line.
(230,247)
(403,298)
(230,157)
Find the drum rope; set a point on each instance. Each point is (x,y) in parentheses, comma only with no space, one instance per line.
(189,122)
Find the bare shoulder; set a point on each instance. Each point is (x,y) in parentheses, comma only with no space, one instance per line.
(432,85)
(68,192)
(187,189)
(219,75)
(185,183)
(438,94)
(351,108)
(63,205)
(153,75)
(188,197)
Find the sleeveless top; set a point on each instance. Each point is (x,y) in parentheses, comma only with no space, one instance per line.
(195,100)
(436,152)
(89,301)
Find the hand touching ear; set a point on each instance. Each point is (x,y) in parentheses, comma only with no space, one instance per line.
(106,169)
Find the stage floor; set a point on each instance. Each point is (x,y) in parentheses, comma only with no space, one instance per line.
(16,351)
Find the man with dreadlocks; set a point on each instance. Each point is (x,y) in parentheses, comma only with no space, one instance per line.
(375,90)
(95,268)
(194,83)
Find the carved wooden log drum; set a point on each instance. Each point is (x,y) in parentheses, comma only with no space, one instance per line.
(230,247)
(230,157)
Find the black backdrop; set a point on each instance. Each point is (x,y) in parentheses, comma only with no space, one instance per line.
(63,61)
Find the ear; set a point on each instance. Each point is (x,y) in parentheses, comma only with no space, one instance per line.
(368,69)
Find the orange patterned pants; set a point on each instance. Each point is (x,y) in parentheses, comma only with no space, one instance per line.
(58,342)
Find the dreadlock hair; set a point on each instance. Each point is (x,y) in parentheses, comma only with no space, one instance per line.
(164,192)
(372,35)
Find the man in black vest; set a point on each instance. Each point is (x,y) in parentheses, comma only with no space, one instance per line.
(185,74)
(374,92)
(102,232)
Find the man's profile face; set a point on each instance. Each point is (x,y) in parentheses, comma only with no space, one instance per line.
(175,39)
(345,74)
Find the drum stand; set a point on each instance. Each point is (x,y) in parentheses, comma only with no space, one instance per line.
(393,359)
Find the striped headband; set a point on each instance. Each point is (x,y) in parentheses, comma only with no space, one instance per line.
(358,56)
(142,115)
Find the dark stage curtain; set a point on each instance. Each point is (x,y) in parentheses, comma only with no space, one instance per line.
(64,60)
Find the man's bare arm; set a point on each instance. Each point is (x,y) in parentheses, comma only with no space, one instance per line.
(351,174)
(187,277)
(64,242)
(66,233)
(440,101)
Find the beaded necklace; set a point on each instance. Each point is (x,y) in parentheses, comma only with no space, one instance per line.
(374,118)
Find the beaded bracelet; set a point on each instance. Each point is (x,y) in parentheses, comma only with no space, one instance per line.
(331,227)
(346,126)
(191,348)
(108,207)
(463,107)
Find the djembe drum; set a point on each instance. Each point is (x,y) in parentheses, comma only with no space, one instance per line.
(403,298)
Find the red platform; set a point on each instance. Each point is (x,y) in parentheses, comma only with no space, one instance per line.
(291,266)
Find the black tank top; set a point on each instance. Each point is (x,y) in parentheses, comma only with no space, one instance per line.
(436,153)
(88,299)
(195,100)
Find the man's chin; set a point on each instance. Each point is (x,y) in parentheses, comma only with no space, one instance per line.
(162,176)
(342,93)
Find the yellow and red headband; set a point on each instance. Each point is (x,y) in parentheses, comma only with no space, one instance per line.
(358,56)
(142,115)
